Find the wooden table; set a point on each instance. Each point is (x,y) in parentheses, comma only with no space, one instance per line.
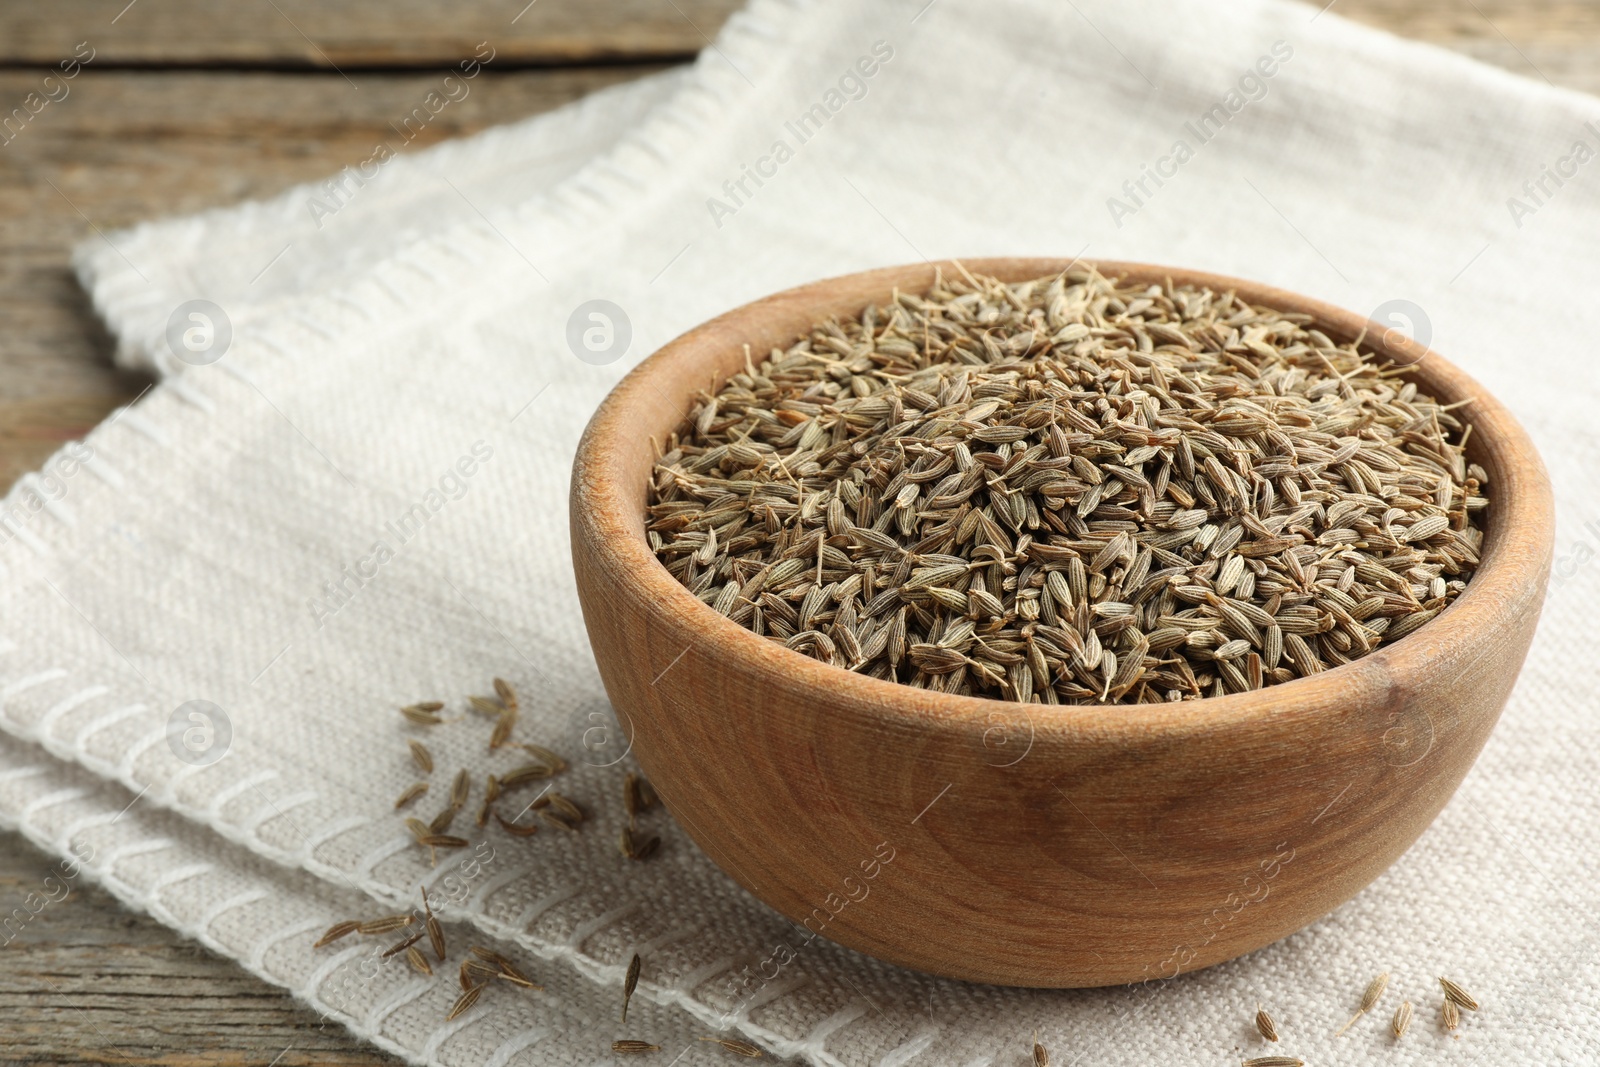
(190,104)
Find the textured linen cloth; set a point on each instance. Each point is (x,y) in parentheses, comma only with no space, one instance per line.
(193,557)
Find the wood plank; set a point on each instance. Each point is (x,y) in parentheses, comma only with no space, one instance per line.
(87,982)
(126,146)
(313,34)
(1557,41)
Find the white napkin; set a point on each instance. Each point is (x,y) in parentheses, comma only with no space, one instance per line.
(194,561)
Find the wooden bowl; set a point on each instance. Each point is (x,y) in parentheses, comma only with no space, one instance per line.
(1023,844)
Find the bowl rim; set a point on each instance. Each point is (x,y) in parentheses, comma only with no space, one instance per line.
(1518,528)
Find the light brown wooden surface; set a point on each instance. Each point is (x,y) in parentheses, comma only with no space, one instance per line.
(136,144)
(315,34)
(1114,847)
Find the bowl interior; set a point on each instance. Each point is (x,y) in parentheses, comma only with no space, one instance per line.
(620,448)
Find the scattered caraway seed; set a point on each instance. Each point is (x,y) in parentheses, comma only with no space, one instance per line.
(1450,1014)
(444,841)
(1041,1055)
(544,756)
(637,850)
(336,931)
(423,714)
(460,790)
(441,822)
(464,1001)
(1264,1024)
(734,1045)
(513,829)
(418,828)
(502,728)
(564,806)
(435,929)
(503,968)
(557,819)
(1402,1020)
(1458,995)
(507,695)
(475,973)
(411,794)
(400,946)
(421,756)
(1374,991)
(530,772)
(1072,490)
(418,961)
(490,793)
(630,797)
(1274,1061)
(386,924)
(486,706)
(629,984)
(634,1046)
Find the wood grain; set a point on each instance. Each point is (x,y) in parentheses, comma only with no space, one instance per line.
(86,981)
(313,34)
(1119,844)
(127,146)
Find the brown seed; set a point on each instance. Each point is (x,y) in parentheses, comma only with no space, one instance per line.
(630,797)
(435,930)
(1450,1014)
(646,793)
(629,983)
(336,931)
(742,1048)
(465,1001)
(502,729)
(1402,1020)
(544,756)
(460,790)
(513,829)
(1369,998)
(411,794)
(423,714)
(486,706)
(507,695)
(1265,1025)
(421,756)
(634,1046)
(444,841)
(476,973)
(386,924)
(400,946)
(1273,1061)
(1041,1055)
(530,772)
(417,961)
(490,793)
(418,828)
(1458,995)
(564,806)
(441,822)
(556,819)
